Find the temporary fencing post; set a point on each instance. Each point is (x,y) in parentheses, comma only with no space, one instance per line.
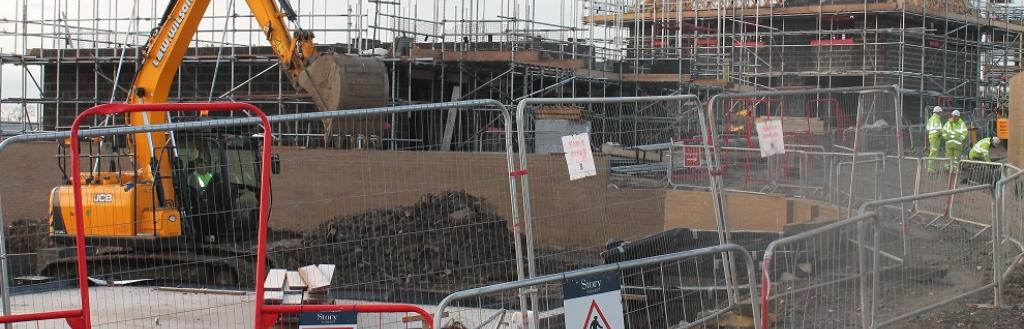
(5,294)
(999,221)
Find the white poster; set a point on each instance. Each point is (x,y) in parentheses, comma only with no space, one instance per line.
(769,135)
(578,156)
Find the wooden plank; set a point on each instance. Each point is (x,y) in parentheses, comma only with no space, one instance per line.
(315,280)
(315,298)
(292,298)
(295,281)
(418,318)
(327,270)
(1015,148)
(275,279)
(273,296)
(453,115)
(634,297)
(203,291)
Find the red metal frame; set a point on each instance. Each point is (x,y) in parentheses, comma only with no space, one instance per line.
(107,109)
(266,316)
(271,313)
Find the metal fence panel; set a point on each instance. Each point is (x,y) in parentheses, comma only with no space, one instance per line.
(658,292)
(413,211)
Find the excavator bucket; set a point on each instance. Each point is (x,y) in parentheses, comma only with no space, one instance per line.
(343,82)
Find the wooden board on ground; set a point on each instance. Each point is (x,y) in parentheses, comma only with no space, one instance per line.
(315,280)
(273,296)
(327,270)
(310,297)
(295,281)
(275,279)
(292,298)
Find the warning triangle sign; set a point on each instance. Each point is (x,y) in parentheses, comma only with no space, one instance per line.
(597,321)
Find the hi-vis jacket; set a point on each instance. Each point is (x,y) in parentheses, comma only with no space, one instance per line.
(955,132)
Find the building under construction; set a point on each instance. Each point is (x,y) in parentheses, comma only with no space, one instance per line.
(456,196)
(956,53)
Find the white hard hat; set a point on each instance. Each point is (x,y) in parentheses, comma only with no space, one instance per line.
(995,140)
(937,109)
(956,113)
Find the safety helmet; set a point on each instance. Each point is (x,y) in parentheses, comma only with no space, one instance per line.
(995,140)
(937,109)
(956,113)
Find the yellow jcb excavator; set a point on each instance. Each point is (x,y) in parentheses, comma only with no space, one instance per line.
(153,213)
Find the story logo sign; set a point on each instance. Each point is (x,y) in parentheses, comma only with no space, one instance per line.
(328,320)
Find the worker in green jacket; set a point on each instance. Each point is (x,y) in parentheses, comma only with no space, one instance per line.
(980,150)
(934,128)
(954,132)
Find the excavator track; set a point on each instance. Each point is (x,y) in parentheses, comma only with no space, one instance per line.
(209,265)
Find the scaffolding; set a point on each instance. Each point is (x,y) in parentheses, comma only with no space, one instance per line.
(72,54)
(958,53)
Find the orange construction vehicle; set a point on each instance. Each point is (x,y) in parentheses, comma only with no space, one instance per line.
(195,190)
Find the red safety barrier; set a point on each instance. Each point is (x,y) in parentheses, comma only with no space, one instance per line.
(272,312)
(265,316)
(81,317)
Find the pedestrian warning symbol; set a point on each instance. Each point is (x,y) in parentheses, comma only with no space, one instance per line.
(593,302)
(594,323)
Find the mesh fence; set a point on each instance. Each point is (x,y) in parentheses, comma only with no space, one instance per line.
(813,279)
(672,290)
(575,221)
(929,262)
(836,143)
(878,268)
(1009,208)
(407,226)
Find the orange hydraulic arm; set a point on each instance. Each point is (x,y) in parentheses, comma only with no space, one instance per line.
(165,50)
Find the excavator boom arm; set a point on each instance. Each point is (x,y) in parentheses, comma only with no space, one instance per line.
(165,51)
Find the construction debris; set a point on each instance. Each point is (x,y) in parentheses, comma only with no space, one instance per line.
(275,280)
(314,279)
(442,239)
(27,235)
(308,285)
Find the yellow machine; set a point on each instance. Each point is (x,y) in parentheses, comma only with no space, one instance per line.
(150,202)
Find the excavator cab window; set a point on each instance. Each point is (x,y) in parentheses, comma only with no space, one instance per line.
(243,162)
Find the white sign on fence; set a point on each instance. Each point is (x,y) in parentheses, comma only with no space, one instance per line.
(593,302)
(578,156)
(769,135)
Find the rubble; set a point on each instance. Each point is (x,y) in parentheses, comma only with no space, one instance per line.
(27,236)
(448,238)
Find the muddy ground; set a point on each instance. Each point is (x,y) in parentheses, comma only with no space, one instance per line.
(974,312)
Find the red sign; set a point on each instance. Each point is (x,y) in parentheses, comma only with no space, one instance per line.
(691,156)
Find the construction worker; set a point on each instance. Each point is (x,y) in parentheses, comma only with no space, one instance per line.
(954,132)
(934,128)
(980,150)
(201,176)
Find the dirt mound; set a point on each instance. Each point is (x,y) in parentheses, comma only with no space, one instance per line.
(450,239)
(27,235)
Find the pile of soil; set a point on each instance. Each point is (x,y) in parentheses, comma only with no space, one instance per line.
(27,235)
(444,240)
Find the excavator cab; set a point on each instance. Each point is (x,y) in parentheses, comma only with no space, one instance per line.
(217,180)
(215,174)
